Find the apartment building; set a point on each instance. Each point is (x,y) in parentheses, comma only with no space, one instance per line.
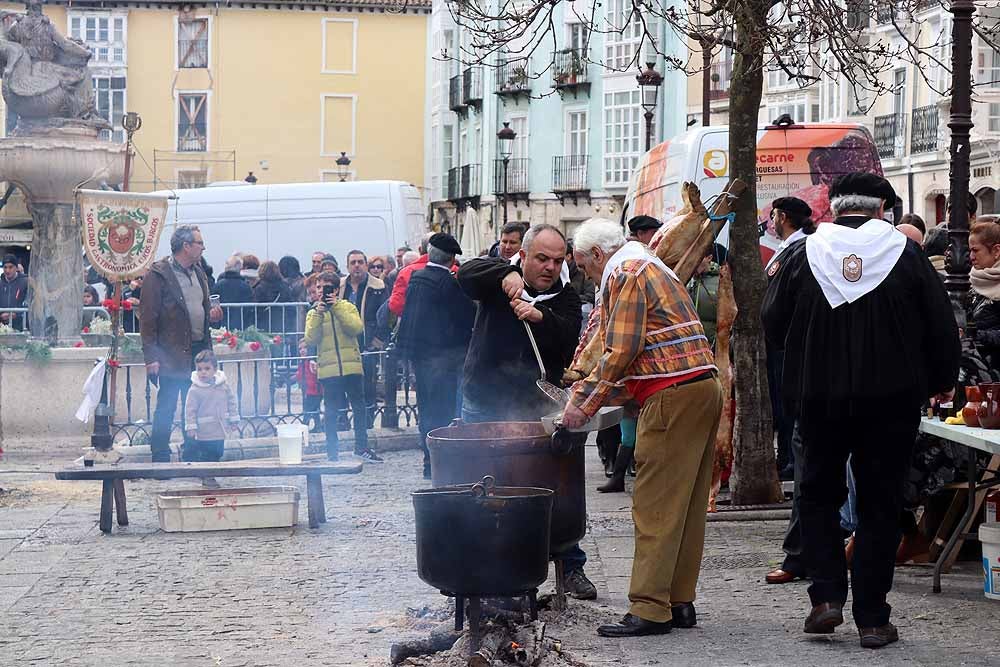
(579,125)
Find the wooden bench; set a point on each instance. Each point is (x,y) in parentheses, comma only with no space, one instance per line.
(113,487)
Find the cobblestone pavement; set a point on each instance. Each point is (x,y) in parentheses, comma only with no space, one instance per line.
(342,594)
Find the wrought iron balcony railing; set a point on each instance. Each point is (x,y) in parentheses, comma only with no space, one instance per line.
(517,176)
(569,173)
(890,135)
(924,130)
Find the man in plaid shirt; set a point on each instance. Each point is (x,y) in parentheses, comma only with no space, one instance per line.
(655,350)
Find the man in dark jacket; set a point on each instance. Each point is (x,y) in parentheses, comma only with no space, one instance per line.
(13,291)
(500,369)
(868,335)
(434,334)
(174,319)
(367,293)
(231,287)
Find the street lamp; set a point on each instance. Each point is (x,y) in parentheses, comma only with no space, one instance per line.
(649,83)
(505,139)
(343,162)
(131,122)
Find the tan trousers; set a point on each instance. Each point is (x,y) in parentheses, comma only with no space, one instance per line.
(674,453)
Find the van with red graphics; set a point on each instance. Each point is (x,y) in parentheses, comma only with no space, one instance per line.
(792,160)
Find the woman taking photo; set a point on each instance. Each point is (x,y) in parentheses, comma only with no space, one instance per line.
(332,327)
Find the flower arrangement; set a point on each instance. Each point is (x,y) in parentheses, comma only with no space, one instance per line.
(99,326)
(252,338)
(112,307)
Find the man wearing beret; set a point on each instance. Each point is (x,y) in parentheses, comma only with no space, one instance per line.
(434,334)
(643,228)
(868,335)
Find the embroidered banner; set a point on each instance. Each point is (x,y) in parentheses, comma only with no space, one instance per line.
(121,231)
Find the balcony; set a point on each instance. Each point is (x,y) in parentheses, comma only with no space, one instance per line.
(890,135)
(569,70)
(472,86)
(517,177)
(569,173)
(193,139)
(720,75)
(513,78)
(464,184)
(858,14)
(455,102)
(924,130)
(885,12)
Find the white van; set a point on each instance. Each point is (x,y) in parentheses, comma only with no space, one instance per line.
(297,219)
(792,160)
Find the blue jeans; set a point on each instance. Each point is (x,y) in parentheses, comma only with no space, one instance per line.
(849,510)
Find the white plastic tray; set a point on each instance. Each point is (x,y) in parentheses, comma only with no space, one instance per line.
(228,509)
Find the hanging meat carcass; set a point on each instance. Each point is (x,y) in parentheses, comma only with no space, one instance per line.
(725,316)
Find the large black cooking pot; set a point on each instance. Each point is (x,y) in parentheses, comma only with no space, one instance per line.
(481,539)
(518,454)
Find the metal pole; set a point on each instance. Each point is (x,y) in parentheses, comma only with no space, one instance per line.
(649,130)
(706,85)
(957,280)
(506,160)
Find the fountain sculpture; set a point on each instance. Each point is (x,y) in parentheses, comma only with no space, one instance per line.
(54,149)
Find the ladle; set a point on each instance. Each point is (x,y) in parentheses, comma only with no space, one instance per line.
(554,393)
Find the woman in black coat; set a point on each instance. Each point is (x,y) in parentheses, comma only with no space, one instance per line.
(984,315)
(271,288)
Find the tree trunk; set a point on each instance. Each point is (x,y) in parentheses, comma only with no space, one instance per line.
(755,476)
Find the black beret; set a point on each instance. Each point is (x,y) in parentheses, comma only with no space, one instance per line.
(864,184)
(9,259)
(793,206)
(640,222)
(445,243)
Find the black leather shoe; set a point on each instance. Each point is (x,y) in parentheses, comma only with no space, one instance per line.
(878,637)
(633,626)
(824,618)
(683,615)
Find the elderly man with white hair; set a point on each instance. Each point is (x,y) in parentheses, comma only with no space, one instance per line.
(868,335)
(656,351)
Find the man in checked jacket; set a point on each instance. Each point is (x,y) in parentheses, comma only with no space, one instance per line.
(655,347)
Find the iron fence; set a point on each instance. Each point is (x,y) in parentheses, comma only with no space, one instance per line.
(275,383)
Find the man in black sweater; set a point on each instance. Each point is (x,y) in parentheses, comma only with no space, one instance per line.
(500,368)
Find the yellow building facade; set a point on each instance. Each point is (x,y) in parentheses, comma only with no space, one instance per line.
(278,89)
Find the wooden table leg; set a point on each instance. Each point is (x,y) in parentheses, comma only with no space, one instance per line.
(314,495)
(107,503)
(322,501)
(121,509)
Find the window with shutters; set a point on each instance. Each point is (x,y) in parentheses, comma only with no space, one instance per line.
(192,122)
(192,43)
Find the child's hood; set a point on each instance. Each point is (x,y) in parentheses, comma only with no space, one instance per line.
(217,380)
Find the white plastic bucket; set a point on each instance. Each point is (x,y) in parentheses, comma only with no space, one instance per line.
(291,440)
(989,537)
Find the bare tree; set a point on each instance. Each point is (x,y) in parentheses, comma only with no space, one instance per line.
(806,40)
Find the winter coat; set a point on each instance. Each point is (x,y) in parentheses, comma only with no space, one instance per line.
(583,285)
(985,315)
(210,407)
(373,296)
(273,319)
(165,323)
(12,295)
(231,287)
(335,339)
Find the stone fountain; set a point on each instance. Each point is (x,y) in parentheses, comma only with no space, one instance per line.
(54,150)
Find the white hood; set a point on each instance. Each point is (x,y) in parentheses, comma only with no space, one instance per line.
(218,379)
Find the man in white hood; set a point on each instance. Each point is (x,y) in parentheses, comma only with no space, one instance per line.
(868,335)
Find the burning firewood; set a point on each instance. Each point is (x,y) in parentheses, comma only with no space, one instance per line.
(436,643)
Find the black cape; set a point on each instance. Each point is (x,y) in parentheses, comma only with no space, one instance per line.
(882,355)
(438,317)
